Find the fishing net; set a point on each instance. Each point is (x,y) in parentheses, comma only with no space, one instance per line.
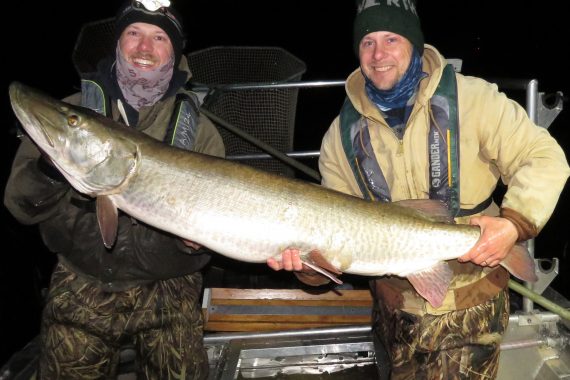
(267,114)
(94,42)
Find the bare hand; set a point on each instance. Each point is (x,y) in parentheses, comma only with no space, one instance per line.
(290,261)
(498,236)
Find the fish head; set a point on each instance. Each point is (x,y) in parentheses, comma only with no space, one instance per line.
(83,145)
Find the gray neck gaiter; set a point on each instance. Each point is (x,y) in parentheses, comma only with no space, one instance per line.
(142,88)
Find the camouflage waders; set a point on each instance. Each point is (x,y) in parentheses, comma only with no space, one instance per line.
(83,329)
(463,344)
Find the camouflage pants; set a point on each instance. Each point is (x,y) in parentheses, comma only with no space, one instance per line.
(463,344)
(83,329)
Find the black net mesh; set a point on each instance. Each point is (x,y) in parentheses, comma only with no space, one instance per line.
(95,41)
(266,114)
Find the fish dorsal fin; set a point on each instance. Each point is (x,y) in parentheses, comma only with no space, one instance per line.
(108,219)
(431,209)
(316,261)
(520,264)
(432,283)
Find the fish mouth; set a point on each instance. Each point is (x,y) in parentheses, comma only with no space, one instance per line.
(41,129)
(34,112)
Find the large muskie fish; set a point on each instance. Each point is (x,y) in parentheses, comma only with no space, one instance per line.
(240,212)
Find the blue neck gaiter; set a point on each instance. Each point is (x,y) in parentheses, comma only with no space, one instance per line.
(398,96)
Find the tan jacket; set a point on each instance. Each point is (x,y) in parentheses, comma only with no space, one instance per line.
(497,141)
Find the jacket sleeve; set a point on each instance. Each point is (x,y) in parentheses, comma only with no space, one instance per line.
(531,163)
(32,192)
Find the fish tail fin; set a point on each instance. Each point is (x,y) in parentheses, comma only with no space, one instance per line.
(520,264)
(432,283)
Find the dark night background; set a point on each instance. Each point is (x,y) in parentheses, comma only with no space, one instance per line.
(510,40)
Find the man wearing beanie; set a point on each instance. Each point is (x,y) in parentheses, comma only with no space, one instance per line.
(144,291)
(412,128)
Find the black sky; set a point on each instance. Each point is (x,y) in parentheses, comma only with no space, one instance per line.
(508,40)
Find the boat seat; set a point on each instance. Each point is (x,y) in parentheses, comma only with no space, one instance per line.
(229,309)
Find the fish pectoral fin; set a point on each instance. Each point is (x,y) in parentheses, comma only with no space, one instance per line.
(432,283)
(108,219)
(318,259)
(520,264)
(317,262)
(323,272)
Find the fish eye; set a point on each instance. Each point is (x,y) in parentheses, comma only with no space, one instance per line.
(73,120)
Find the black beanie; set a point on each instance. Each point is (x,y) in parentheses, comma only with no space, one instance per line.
(166,18)
(396,16)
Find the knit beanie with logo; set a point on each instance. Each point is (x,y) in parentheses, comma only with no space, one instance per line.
(396,16)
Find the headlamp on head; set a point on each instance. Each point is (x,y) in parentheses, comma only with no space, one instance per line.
(153,5)
(153,8)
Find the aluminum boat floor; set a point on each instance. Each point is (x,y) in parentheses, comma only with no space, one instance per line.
(535,347)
